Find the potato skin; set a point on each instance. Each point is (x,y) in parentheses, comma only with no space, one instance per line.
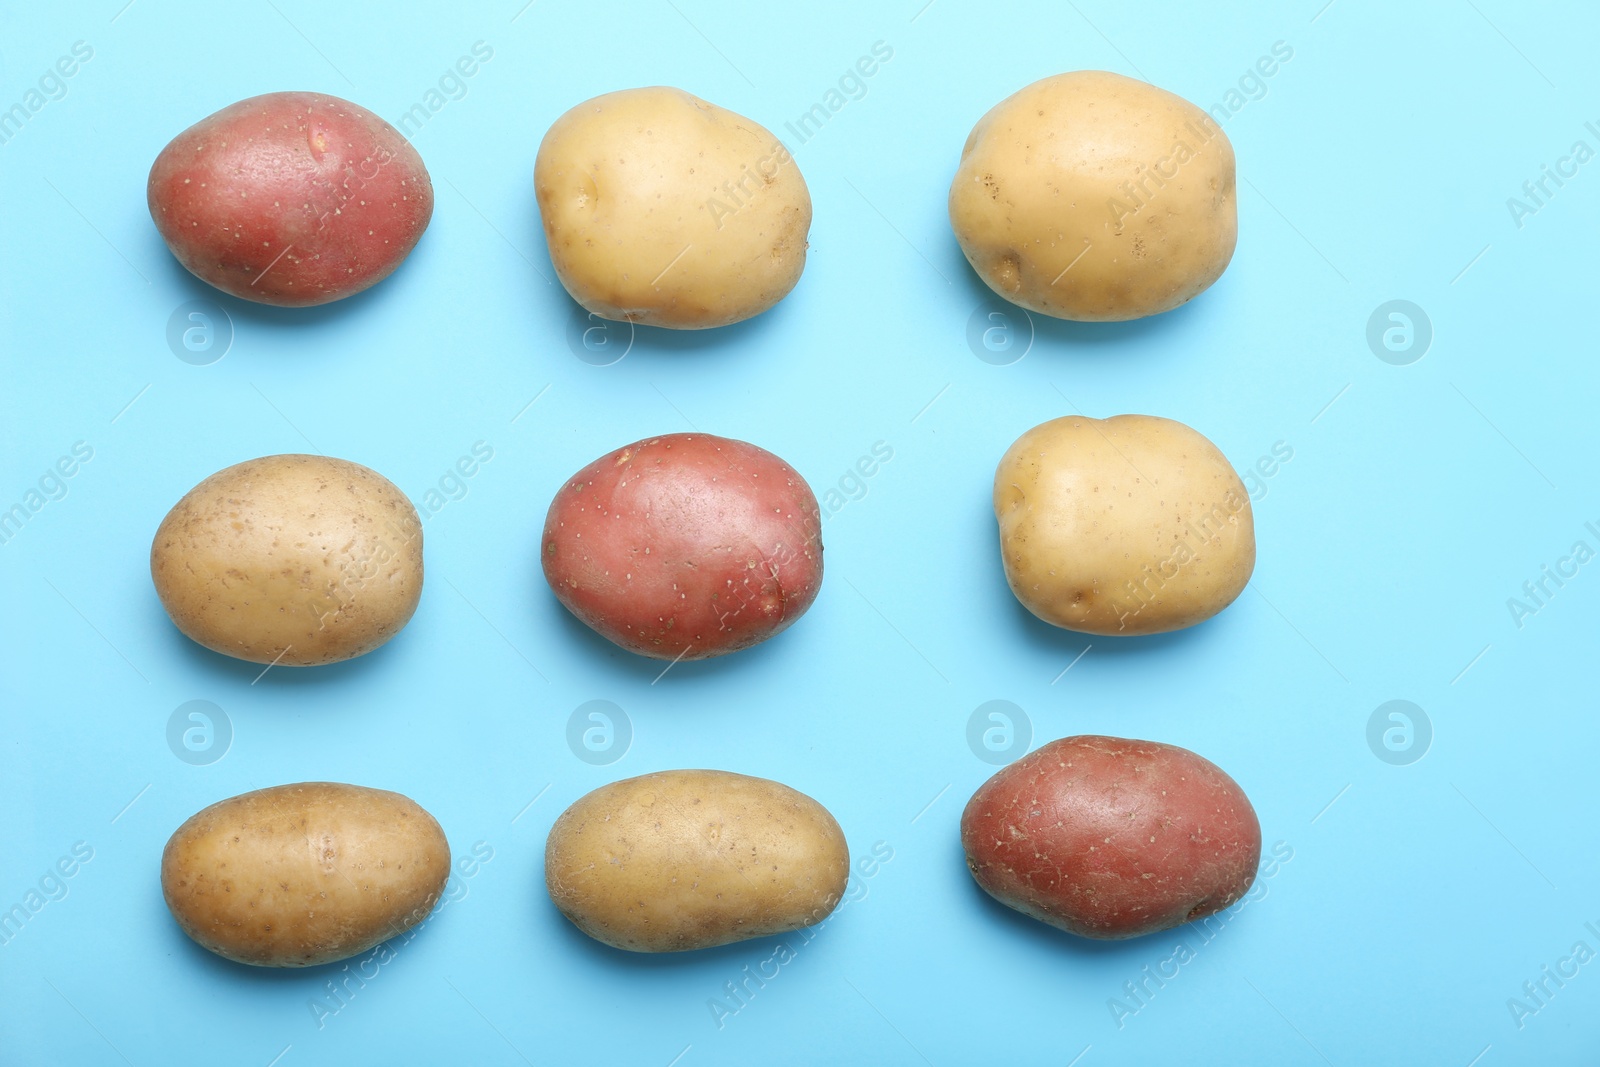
(690,859)
(685,546)
(294,560)
(1137,182)
(663,209)
(1111,838)
(1129,525)
(291,199)
(298,875)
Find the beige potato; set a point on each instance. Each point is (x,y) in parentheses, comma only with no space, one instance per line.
(1130,525)
(1096,197)
(692,859)
(661,208)
(298,875)
(293,560)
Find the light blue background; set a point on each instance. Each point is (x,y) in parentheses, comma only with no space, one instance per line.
(1419,498)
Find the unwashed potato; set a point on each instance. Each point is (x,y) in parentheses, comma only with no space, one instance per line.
(692,859)
(685,546)
(298,875)
(1129,525)
(1109,838)
(290,198)
(292,560)
(1095,197)
(660,208)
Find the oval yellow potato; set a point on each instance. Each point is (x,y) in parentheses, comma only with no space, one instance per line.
(1096,197)
(660,208)
(293,560)
(692,859)
(1129,525)
(298,875)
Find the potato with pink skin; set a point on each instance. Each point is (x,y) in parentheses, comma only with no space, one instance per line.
(685,546)
(291,199)
(1111,838)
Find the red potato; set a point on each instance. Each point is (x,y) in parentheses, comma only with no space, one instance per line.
(291,199)
(685,546)
(1111,838)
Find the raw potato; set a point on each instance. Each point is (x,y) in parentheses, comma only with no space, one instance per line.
(298,875)
(692,859)
(1130,525)
(1095,197)
(1110,838)
(660,208)
(290,198)
(292,560)
(685,546)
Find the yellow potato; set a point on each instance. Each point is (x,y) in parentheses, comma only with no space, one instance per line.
(1095,197)
(298,875)
(1130,525)
(293,560)
(660,208)
(692,859)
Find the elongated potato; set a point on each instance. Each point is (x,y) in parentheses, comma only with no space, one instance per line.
(1122,526)
(692,859)
(298,875)
(291,560)
(1109,838)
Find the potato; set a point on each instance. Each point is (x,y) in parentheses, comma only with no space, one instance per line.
(1109,838)
(1095,197)
(292,560)
(685,546)
(298,875)
(1130,525)
(660,208)
(692,859)
(290,198)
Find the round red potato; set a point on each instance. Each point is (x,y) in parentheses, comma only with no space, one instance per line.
(1110,838)
(290,198)
(685,546)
